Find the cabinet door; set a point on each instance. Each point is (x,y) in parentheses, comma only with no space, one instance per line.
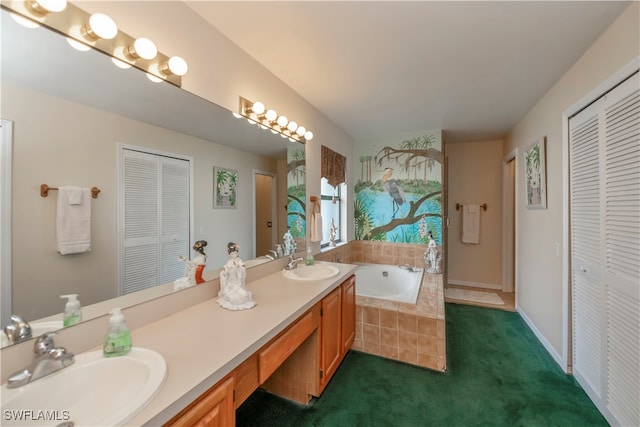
(331,336)
(348,314)
(215,409)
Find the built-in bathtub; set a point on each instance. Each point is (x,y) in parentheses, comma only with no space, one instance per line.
(399,315)
(389,282)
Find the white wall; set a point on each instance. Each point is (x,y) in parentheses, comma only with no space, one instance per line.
(57,142)
(220,72)
(539,277)
(475,176)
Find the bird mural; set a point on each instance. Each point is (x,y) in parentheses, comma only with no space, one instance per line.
(393,188)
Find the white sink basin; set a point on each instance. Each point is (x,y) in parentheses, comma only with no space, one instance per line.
(94,391)
(312,272)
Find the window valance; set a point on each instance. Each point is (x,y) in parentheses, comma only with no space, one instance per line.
(333,166)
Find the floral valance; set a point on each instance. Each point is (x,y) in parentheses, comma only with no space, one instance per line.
(333,166)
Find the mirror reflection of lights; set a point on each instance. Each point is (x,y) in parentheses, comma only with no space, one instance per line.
(120,64)
(77,45)
(27,23)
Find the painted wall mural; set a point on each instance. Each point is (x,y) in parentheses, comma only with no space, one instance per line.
(296,206)
(398,193)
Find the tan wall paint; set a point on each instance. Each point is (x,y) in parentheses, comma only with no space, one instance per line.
(539,269)
(94,134)
(475,176)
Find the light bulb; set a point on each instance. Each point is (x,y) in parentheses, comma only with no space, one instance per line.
(308,135)
(236,115)
(271,115)
(175,65)
(292,126)
(301,130)
(258,107)
(46,6)
(100,26)
(282,121)
(142,48)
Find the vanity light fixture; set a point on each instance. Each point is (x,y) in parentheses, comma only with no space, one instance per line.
(175,65)
(100,26)
(86,31)
(256,112)
(44,7)
(142,48)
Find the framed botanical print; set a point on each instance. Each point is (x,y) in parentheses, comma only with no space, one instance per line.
(225,188)
(535,175)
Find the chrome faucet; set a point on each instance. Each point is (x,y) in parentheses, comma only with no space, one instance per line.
(293,263)
(18,330)
(48,359)
(409,268)
(272,254)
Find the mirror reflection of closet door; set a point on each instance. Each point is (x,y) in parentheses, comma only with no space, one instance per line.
(265,219)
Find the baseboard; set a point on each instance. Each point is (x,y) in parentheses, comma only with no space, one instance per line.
(546,344)
(474,284)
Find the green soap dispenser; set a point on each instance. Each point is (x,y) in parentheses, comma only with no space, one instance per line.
(117,340)
(72,310)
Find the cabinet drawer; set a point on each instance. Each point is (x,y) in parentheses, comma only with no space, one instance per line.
(272,356)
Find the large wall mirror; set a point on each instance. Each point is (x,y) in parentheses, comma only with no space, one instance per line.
(72,114)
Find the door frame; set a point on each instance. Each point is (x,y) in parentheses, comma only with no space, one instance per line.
(6,149)
(509,266)
(567,327)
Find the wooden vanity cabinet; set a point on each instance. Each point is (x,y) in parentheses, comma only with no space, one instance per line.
(214,408)
(297,363)
(348,313)
(338,328)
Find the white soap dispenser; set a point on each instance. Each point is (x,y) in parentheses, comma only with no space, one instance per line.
(72,310)
(117,340)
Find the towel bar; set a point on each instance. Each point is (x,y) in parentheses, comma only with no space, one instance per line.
(44,191)
(483,206)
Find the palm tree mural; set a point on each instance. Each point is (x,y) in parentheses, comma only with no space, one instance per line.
(415,197)
(296,206)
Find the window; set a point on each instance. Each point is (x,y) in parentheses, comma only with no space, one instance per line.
(331,207)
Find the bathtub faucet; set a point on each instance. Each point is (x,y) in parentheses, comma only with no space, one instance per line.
(409,268)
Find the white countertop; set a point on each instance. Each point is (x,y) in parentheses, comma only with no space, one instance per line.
(205,342)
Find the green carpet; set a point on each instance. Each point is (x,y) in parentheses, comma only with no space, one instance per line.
(498,375)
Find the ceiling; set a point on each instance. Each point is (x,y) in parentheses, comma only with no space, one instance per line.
(382,68)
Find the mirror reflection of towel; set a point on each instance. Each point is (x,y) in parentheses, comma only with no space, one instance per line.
(470,224)
(73,220)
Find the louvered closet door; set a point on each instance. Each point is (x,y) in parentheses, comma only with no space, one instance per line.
(605,228)
(155,219)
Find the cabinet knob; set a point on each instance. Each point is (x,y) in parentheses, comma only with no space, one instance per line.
(583,269)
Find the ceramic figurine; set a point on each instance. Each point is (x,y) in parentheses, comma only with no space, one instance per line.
(289,243)
(432,255)
(233,293)
(332,233)
(193,268)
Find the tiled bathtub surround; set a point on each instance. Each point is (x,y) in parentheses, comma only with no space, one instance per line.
(412,333)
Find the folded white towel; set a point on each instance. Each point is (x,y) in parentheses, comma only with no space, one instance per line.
(470,224)
(316,227)
(73,220)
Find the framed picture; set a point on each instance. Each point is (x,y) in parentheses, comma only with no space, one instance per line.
(225,188)
(535,174)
